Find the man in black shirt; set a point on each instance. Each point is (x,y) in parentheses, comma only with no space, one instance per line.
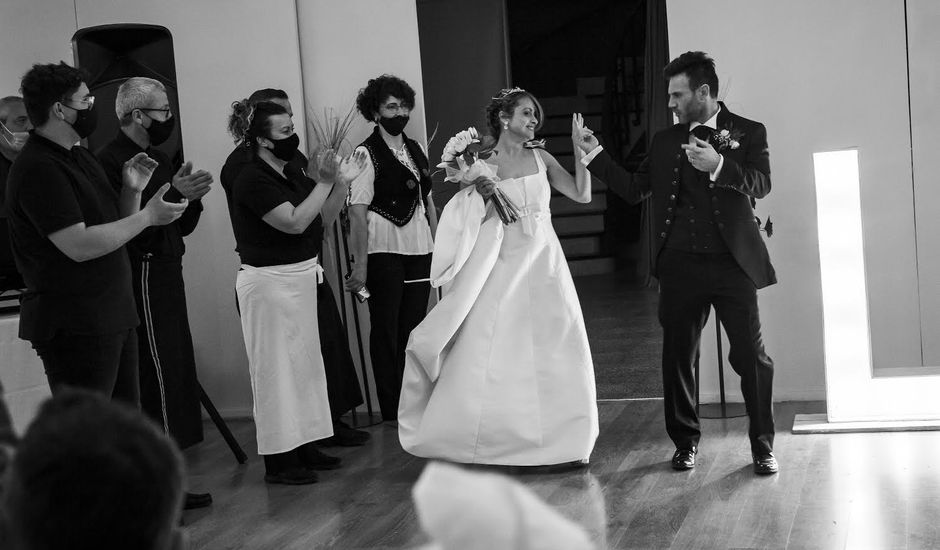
(14,125)
(169,391)
(68,227)
(341,380)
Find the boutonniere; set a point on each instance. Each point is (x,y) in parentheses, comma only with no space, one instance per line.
(727,138)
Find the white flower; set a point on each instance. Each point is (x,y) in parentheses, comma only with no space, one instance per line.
(734,144)
(724,133)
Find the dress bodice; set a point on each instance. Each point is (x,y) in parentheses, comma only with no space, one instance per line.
(531,193)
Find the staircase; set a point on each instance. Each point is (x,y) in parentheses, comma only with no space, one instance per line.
(580,227)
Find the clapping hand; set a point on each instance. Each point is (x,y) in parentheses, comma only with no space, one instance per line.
(137,172)
(161,212)
(351,167)
(702,156)
(325,164)
(582,136)
(192,185)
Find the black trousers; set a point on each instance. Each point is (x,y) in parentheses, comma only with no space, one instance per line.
(395,309)
(342,384)
(169,391)
(106,363)
(689,285)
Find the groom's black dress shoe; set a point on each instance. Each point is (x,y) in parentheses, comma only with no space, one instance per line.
(683,459)
(765,464)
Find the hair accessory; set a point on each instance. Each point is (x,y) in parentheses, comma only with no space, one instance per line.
(507,92)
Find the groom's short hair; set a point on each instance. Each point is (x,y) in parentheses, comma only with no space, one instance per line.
(698,67)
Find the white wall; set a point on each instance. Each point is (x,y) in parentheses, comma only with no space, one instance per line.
(822,76)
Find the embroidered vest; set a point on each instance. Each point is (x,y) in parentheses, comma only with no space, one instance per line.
(397,191)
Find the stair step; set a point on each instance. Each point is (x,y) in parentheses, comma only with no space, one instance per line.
(567,225)
(592,265)
(563,206)
(591,85)
(582,246)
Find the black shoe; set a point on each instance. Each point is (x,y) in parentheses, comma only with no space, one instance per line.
(314,459)
(196,500)
(292,476)
(765,464)
(684,459)
(344,436)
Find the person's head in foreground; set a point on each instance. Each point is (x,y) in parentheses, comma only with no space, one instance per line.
(92,474)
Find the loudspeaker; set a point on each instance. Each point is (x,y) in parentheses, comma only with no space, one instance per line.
(111,54)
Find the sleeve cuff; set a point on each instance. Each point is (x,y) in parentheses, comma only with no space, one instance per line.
(586,159)
(714,175)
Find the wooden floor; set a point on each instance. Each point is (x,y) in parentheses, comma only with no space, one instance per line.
(852,491)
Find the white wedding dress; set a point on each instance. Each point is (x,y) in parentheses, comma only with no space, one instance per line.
(500,371)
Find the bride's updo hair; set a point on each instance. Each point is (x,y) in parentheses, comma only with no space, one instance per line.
(505,102)
(249,121)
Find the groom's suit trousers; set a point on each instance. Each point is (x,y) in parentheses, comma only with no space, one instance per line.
(690,283)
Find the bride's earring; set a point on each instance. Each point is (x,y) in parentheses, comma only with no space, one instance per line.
(505,126)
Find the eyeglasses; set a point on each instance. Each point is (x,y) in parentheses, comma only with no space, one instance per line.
(166,111)
(88,101)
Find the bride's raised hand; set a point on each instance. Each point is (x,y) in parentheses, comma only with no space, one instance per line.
(582,136)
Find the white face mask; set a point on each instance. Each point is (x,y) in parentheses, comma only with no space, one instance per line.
(16,140)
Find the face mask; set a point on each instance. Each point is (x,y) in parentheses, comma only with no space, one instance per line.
(160,130)
(16,140)
(286,148)
(394,125)
(85,121)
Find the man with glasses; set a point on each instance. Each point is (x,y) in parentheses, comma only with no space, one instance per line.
(68,227)
(169,391)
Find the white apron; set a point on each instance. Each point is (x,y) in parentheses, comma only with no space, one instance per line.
(279,321)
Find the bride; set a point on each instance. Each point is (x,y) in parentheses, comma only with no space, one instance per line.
(500,371)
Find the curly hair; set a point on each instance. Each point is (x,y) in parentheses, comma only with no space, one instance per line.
(506,102)
(378,90)
(698,67)
(44,85)
(248,121)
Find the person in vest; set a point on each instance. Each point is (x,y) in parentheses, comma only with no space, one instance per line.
(391,217)
(169,391)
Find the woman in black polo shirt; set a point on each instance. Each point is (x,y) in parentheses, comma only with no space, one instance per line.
(276,217)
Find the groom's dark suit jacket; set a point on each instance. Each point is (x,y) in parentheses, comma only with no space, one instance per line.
(744,177)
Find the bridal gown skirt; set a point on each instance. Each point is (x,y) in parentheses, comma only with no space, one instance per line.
(500,371)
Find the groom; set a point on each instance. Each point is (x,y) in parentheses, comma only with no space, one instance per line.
(703,176)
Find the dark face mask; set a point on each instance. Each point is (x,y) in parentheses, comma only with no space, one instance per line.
(86,120)
(160,130)
(394,125)
(286,148)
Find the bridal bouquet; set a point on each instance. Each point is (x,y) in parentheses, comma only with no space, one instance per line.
(463,162)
